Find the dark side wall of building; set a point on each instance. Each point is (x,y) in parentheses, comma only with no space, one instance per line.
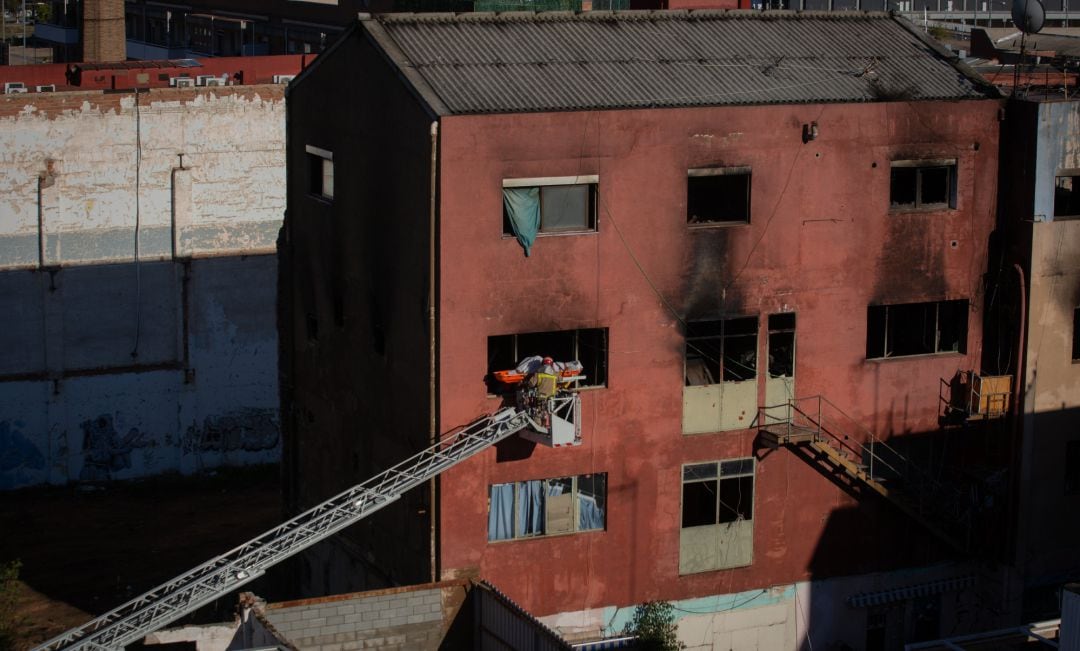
(354,333)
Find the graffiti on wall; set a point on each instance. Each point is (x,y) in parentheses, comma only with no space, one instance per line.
(21,462)
(246,430)
(105,450)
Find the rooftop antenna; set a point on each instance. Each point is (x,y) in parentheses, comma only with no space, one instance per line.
(1028,16)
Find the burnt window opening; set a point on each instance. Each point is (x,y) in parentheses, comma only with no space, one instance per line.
(547,507)
(782,345)
(320,164)
(1067,195)
(717,492)
(562,208)
(718,196)
(588,346)
(1072,468)
(916,329)
(1076,335)
(721,351)
(922,184)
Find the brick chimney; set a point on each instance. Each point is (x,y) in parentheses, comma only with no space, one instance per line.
(103,31)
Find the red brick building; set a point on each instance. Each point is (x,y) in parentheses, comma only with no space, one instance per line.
(736,209)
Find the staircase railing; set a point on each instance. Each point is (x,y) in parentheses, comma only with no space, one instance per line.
(943,505)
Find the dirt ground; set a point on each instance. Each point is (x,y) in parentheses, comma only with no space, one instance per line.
(85,550)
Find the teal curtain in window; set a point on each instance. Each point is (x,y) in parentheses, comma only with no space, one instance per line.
(522,206)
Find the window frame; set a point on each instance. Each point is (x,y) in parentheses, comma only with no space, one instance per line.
(591,181)
(575,518)
(722,338)
(710,172)
(719,476)
(951,199)
(323,159)
(937,330)
(603,332)
(1074,175)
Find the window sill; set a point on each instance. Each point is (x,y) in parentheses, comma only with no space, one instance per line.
(921,210)
(554,234)
(546,536)
(898,358)
(708,225)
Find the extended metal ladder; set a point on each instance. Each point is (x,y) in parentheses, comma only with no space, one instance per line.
(198,587)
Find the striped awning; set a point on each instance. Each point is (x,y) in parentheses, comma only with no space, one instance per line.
(883,597)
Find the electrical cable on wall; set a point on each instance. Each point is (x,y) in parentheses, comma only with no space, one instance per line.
(138,219)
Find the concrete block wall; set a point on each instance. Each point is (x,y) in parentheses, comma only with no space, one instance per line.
(400,618)
(117,369)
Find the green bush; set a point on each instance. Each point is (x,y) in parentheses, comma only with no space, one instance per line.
(654,626)
(9,593)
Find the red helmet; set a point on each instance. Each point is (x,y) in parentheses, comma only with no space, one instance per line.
(548,360)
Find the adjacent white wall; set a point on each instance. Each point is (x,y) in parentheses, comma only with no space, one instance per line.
(116,368)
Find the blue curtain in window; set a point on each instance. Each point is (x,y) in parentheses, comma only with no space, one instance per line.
(501,515)
(530,508)
(591,516)
(523,207)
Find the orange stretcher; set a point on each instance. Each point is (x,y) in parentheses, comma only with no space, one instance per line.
(514,377)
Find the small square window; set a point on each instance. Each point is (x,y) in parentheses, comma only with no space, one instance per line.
(1072,468)
(320,172)
(721,351)
(922,184)
(1076,335)
(1067,195)
(718,196)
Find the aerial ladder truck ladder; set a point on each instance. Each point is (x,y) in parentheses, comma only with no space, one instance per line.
(551,420)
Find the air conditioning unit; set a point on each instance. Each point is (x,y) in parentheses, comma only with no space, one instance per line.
(47,88)
(208,80)
(181,82)
(12,87)
(283,79)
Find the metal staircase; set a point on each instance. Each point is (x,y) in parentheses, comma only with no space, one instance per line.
(198,587)
(837,444)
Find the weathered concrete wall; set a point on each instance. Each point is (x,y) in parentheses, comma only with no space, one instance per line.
(804,614)
(416,617)
(822,242)
(201,394)
(199,172)
(1049,522)
(116,368)
(354,352)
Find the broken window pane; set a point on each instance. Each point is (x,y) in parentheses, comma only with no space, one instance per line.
(915,184)
(699,504)
(718,196)
(1067,196)
(709,500)
(723,350)
(588,346)
(916,329)
(736,499)
(935,185)
(782,345)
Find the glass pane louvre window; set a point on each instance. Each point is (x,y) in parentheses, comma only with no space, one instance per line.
(717,492)
(544,507)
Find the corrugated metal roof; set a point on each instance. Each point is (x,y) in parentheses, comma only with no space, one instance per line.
(556,61)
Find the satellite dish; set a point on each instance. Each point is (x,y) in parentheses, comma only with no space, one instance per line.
(1028,15)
